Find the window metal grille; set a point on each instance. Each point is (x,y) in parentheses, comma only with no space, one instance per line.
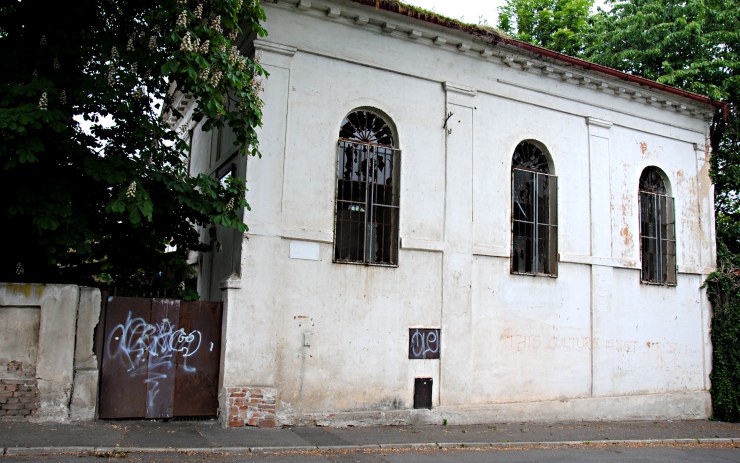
(657,230)
(366,213)
(534,213)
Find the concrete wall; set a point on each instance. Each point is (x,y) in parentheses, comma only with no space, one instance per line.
(593,343)
(46,347)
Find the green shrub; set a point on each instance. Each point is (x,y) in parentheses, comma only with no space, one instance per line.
(723,288)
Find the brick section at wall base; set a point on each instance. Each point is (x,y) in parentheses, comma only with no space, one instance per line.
(18,397)
(251,406)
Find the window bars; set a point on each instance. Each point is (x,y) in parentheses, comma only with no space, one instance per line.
(366,212)
(657,230)
(534,213)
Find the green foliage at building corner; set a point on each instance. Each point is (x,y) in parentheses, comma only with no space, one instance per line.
(95,183)
(723,288)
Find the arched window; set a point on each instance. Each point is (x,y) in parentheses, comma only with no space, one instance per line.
(534,237)
(366,211)
(657,229)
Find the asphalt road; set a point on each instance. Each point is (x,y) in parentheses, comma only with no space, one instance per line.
(724,453)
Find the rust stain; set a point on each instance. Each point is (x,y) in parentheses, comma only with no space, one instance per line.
(15,366)
(627,208)
(643,148)
(705,181)
(627,236)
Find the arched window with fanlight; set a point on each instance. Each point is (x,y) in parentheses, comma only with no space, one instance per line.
(366,210)
(534,230)
(657,229)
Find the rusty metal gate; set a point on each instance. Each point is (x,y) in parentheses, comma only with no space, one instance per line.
(161,358)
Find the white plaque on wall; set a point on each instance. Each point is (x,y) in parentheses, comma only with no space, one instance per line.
(305,250)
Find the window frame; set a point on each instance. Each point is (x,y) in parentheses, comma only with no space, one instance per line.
(359,190)
(661,231)
(537,168)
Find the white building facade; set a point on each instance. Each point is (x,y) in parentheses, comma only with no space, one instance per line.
(449,225)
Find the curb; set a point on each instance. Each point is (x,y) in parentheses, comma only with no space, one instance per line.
(20,451)
(16,451)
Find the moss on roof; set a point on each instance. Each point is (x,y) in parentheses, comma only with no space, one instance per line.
(488,33)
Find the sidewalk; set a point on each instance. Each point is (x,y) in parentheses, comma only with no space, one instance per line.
(22,438)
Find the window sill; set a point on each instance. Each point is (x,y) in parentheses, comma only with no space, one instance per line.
(654,283)
(548,275)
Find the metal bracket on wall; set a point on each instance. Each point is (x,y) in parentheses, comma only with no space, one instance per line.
(444,126)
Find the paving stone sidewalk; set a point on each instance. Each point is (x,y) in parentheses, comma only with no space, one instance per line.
(18,437)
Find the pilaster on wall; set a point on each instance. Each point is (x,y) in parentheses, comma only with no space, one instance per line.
(229,289)
(457,265)
(601,230)
(601,226)
(240,405)
(265,173)
(86,367)
(705,189)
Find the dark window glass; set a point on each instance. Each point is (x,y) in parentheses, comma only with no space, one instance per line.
(657,230)
(366,213)
(534,212)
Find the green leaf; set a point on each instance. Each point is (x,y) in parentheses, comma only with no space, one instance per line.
(134,216)
(117,205)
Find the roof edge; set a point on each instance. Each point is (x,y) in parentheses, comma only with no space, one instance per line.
(494,36)
(588,65)
(398,7)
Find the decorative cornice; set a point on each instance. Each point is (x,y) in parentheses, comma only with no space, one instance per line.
(599,123)
(457,88)
(461,42)
(605,85)
(274,48)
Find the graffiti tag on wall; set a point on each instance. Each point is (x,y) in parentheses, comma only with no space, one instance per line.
(424,343)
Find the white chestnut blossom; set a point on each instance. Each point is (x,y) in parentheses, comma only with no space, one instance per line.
(182,20)
(131,190)
(43,102)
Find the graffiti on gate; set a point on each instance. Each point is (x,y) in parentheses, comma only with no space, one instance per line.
(152,349)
